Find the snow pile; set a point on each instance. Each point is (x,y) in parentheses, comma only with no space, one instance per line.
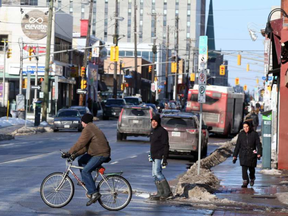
(200,187)
(283,197)
(271,172)
(4,122)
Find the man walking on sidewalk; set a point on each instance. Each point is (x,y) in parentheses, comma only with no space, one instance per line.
(159,153)
(249,148)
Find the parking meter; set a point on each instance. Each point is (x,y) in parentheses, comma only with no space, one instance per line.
(266,139)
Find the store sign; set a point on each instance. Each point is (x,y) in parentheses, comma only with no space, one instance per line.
(34,24)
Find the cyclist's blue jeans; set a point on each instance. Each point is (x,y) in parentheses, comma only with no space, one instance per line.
(90,163)
(157,170)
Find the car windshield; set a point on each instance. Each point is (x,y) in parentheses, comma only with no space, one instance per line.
(81,110)
(133,101)
(68,113)
(178,122)
(170,111)
(136,112)
(118,102)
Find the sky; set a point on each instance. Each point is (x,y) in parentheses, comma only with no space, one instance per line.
(231,21)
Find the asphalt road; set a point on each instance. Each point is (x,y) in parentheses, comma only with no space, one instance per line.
(27,160)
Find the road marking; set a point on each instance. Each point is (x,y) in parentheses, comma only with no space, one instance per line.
(114,162)
(29,158)
(133,156)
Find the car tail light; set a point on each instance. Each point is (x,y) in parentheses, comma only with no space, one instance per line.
(204,132)
(192,131)
(151,115)
(120,116)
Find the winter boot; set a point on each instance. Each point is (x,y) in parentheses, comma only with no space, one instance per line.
(167,191)
(252,182)
(245,183)
(160,191)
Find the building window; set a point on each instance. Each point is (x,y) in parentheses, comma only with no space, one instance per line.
(188,35)
(141,23)
(188,12)
(177,12)
(165,12)
(165,2)
(188,23)
(141,11)
(29,2)
(2,38)
(188,2)
(129,53)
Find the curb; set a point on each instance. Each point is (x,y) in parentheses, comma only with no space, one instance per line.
(6,137)
(31,130)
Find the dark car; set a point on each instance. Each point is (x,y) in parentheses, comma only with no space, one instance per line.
(153,106)
(113,108)
(134,121)
(82,109)
(67,119)
(183,130)
(133,100)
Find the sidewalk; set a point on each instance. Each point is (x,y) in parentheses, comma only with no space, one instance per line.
(263,194)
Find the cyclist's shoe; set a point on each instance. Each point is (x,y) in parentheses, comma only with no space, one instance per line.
(93,199)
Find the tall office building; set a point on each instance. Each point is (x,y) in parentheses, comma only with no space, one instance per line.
(191,23)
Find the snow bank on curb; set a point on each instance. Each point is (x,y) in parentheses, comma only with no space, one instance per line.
(283,197)
(270,172)
(31,130)
(201,187)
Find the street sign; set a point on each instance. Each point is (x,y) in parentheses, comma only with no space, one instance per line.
(202,94)
(269,78)
(36,87)
(81,91)
(263,77)
(28,86)
(202,77)
(128,76)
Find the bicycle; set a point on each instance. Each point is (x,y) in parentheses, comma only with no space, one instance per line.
(57,189)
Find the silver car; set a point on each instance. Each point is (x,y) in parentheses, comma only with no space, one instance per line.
(134,121)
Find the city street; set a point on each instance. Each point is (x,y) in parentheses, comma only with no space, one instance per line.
(27,160)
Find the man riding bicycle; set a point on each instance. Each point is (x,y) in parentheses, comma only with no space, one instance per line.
(95,150)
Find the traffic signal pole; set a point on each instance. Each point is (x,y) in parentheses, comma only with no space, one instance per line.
(115,41)
(4,71)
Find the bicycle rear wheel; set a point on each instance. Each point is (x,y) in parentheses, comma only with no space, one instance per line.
(55,191)
(116,193)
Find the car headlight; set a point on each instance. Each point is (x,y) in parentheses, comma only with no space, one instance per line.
(75,122)
(57,122)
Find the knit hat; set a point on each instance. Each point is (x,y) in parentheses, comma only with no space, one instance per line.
(86,118)
(157,118)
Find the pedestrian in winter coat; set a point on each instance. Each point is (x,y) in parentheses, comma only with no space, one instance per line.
(249,148)
(159,151)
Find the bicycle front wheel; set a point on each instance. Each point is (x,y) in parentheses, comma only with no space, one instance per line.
(116,193)
(56,191)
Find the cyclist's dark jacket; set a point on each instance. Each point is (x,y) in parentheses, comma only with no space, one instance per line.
(159,141)
(92,141)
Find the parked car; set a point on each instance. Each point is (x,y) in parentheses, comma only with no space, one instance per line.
(113,108)
(99,110)
(134,121)
(67,119)
(133,100)
(153,106)
(183,130)
(82,109)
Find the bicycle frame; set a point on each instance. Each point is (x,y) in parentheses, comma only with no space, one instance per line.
(69,170)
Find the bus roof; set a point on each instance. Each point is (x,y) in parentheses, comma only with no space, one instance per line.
(222,89)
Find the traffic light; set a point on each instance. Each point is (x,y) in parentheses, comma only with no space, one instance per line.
(24,83)
(245,87)
(9,53)
(83,71)
(114,53)
(192,77)
(247,67)
(236,81)
(84,84)
(173,67)
(90,56)
(30,53)
(150,68)
(238,59)
(159,90)
(257,81)
(40,81)
(222,70)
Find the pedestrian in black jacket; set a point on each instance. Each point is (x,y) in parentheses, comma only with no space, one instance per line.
(249,148)
(159,151)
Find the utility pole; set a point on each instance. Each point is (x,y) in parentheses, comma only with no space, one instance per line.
(47,62)
(154,49)
(36,74)
(135,47)
(83,76)
(176,49)
(20,41)
(115,41)
(4,71)
(167,64)
(187,72)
